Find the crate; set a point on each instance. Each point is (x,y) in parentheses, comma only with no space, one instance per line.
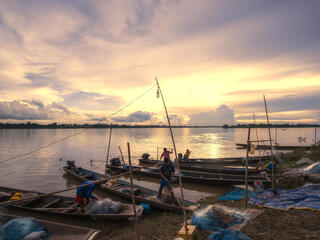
(191,232)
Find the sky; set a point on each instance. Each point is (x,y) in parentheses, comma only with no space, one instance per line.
(80,61)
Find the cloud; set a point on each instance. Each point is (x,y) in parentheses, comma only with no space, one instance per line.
(31,110)
(176,120)
(92,101)
(291,102)
(138,117)
(220,116)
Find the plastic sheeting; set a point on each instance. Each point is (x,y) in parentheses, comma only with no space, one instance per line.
(237,194)
(18,228)
(307,197)
(229,234)
(313,168)
(103,207)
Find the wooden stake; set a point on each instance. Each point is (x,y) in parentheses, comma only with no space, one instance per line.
(157,153)
(176,161)
(315,136)
(107,160)
(246,177)
(254,120)
(132,196)
(265,105)
(122,156)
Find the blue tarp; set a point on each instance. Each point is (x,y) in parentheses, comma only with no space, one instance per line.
(229,234)
(307,197)
(237,194)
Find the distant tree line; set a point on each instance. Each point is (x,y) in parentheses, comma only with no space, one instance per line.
(264,125)
(101,125)
(98,125)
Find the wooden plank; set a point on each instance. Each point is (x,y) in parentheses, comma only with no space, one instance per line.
(51,203)
(70,208)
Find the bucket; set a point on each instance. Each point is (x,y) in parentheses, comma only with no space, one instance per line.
(146,208)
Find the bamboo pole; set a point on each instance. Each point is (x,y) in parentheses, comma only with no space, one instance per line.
(133,197)
(176,161)
(254,120)
(265,105)
(107,160)
(122,158)
(64,190)
(246,176)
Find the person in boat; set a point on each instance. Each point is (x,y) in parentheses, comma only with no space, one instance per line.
(165,154)
(187,155)
(261,166)
(166,177)
(84,194)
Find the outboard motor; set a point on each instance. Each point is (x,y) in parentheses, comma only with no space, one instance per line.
(115,162)
(70,163)
(145,156)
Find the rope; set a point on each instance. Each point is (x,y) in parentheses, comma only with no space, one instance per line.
(74,134)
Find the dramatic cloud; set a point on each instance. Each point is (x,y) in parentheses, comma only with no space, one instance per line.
(95,56)
(31,110)
(138,117)
(220,116)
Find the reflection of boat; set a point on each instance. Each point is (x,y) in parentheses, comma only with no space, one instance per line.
(188,176)
(232,161)
(61,206)
(203,167)
(59,231)
(277,147)
(122,189)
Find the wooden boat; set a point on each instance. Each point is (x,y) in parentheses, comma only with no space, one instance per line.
(60,231)
(203,167)
(236,161)
(62,206)
(189,176)
(276,147)
(122,189)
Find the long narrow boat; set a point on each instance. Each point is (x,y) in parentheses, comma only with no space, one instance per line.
(62,206)
(204,167)
(236,161)
(276,147)
(188,176)
(59,231)
(122,189)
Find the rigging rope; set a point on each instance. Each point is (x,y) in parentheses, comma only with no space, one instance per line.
(77,133)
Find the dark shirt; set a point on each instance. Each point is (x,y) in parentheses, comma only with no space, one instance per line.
(167,170)
(86,191)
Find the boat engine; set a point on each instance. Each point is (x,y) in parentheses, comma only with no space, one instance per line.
(115,162)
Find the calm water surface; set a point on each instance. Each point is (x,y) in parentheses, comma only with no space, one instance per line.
(42,171)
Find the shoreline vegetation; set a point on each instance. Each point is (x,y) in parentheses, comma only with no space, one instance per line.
(30,125)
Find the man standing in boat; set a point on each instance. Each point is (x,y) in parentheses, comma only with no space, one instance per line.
(166,175)
(165,154)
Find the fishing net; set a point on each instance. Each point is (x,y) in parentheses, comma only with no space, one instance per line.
(229,234)
(19,228)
